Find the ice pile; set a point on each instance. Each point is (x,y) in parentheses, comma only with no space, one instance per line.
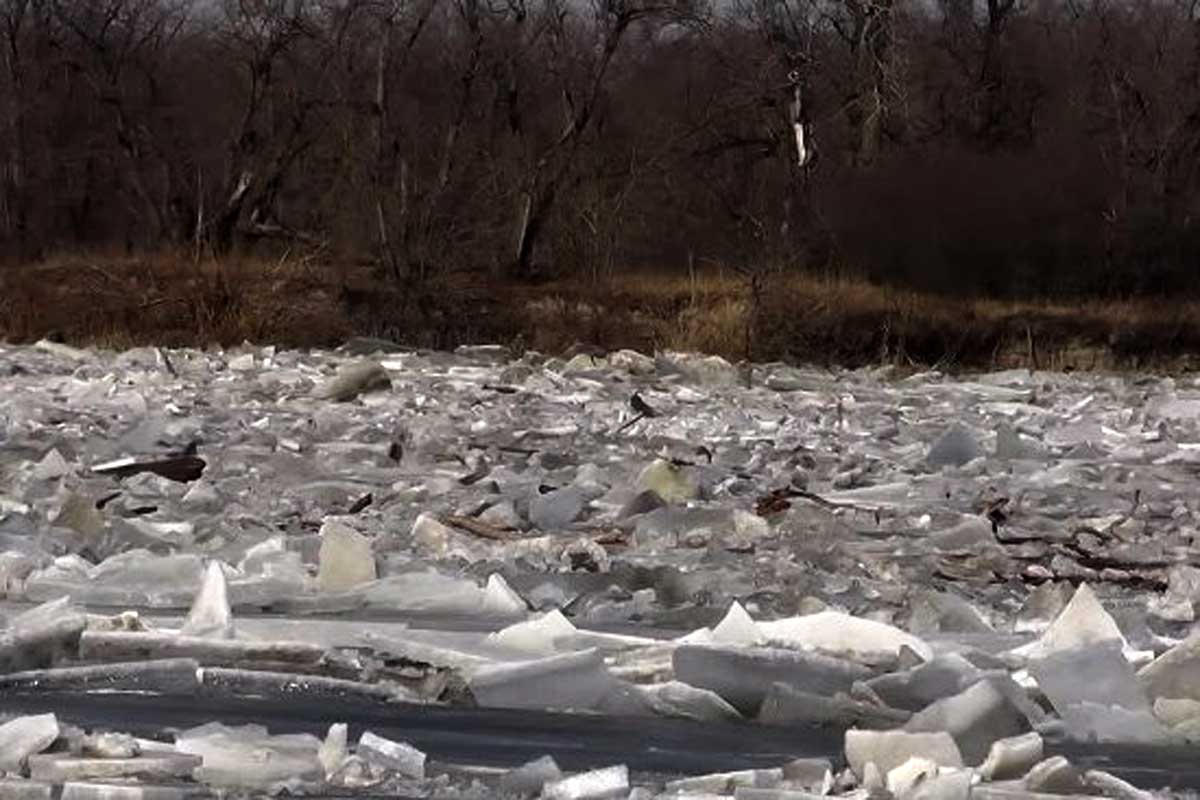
(954,576)
(41,756)
(953,721)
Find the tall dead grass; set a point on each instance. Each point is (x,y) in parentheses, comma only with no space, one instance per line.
(853,322)
(168,298)
(173,299)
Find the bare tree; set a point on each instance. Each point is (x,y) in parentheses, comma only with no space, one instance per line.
(24,25)
(275,121)
(866,29)
(544,180)
(120,45)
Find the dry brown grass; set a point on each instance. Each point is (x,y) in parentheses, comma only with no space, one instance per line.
(850,322)
(172,299)
(167,299)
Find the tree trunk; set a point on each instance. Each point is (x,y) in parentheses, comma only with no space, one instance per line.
(547,176)
(870,43)
(17,200)
(387,254)
(134,157)
(989,127)
(525,236)
(226,224)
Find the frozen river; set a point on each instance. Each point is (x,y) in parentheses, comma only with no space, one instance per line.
(647,567)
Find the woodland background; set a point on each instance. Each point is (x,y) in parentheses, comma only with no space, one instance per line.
(1006,149)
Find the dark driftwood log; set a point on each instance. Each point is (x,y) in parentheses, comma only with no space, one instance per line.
(478,527)
(182,469)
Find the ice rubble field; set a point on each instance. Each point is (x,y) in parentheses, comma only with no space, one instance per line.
(950,574)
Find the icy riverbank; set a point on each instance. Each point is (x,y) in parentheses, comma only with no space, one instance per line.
(890,557)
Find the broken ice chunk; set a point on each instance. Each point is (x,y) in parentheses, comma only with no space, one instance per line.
(640,503)
(737,627)
(1042,607)
(582,363)
(258,556)
(1100,722)
(242,363)
(529,779)
(396,756)
(843,635)
(80,515)
(1176,713)
(786,705)
(500,599)
(270,573)
(668,481)
(502,515)
(1108,785)
(110,745)
(555,510)
(1096,693)
(431,591)
(969,536)
(352,380)
(570,681)
(24,736)
(873,779)
(624,700)
(201,496)
(705,370)
(1011,446)
(97,645)
(975,718)
(744,676)
(1055,776)
(248,756)
(19,789)
(61,767)
(176,535)
(166,676)
(752,793)
(600,784)
(810,774)
(410,649)
(1096,673)
(902,780)
(585,554)
(538,635)
(1175,674)
(632,362)
(954,448)
(1012,758)
(1183,591)
(945,785)
(889,749)
(41,636)
(52,467)
(345,560)
(431,534)
(333,751)
(132,578)
(1084,621)
(285,685)
(721,783)
(14,568)
(676,699)
(936,611)
(210,615)
(97,790)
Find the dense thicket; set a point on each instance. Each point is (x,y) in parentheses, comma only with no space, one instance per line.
(1007,146)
